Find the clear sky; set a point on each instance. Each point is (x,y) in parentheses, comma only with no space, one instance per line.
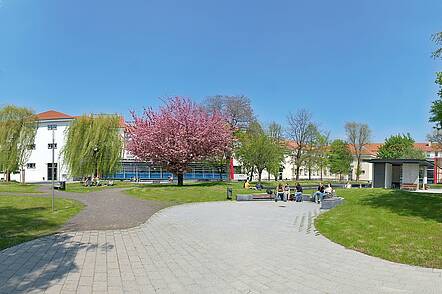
(366,60)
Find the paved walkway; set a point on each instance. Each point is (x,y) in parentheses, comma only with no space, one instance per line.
(218,247)
(105,209)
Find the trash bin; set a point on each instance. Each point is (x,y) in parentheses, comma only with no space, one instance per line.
(62,185)
(229,193)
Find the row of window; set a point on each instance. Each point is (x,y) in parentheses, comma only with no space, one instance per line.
(50,145)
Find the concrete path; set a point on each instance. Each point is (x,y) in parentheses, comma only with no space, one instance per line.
(218,247)
(105,209)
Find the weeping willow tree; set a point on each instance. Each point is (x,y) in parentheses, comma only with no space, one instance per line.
(18,126)
(93,146)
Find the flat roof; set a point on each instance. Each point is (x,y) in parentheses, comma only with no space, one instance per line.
(401,161)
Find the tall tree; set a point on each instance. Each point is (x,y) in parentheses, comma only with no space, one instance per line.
(236,109)
(437,38)
(436,106)
(258,151)
(18,126)
(300,132)
(340,158)
(358,136)
(309,155)
(94,145)
(278,152)
(238,112)
(400,146)
(322,150)
(179,133)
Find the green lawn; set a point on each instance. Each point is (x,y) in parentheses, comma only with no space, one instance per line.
(18,188)
(435,186)
(79,188)
(23,218)
(190,192)
(395,225)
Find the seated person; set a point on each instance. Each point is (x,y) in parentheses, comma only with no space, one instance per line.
(247,184)
(286,192)
(279,193)
(319,195)
(298,193)
(348,185)
(328,191)
(258,186)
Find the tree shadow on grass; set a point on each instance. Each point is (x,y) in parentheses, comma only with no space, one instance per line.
(424,205)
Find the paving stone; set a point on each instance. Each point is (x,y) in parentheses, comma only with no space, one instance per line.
(222,247)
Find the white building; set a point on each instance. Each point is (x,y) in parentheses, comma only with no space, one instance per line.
(52,123)
(39,165)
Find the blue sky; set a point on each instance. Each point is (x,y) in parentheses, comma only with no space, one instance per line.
(366,61)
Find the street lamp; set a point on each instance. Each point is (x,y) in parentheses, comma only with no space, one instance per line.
(52,128)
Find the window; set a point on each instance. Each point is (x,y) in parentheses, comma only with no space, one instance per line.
(30,165)
(31,147)
(52,147)
(52,127)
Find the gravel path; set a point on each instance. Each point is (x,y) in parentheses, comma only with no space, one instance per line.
(105,209)
(217,247)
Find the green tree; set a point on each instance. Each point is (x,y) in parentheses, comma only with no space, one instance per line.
(278,152)
(258,151)
(93,145)
(437,38)
(339,158)
(322,150)
(436,106)
(400,146)
(18,126)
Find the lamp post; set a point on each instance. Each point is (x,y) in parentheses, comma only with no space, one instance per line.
(53,165)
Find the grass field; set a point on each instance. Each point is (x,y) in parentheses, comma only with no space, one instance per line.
(23,218)
(18,188)
(79,188)
(395,225)
(191,192)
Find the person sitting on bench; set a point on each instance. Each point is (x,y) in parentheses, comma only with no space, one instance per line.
(279,193)
(328,192)
(319,195)
(298,193)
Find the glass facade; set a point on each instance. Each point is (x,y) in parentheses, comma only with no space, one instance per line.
(149,171)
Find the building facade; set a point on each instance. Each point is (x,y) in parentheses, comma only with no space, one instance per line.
(51,136)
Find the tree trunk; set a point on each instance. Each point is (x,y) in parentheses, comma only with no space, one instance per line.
(358,169)
(259,175)
(321,172)
(228,158)
(7,176)
(309,173)
(180,177)
(22,175)
(297,172)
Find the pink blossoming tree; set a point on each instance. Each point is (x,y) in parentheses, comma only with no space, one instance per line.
(179,133)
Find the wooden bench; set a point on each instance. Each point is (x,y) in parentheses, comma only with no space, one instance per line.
(409,186)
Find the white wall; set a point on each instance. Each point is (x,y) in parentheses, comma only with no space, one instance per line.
(388,175)
(410,173)
(42,155)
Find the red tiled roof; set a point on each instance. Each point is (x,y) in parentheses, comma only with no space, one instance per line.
(52,114)
(372,148)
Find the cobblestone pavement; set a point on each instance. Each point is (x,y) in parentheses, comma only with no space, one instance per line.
(218,247)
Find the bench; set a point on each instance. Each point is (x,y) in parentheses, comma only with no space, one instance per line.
(329,203)
(409,186)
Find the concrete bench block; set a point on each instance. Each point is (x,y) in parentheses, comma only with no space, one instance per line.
(330,203)
(244,197)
